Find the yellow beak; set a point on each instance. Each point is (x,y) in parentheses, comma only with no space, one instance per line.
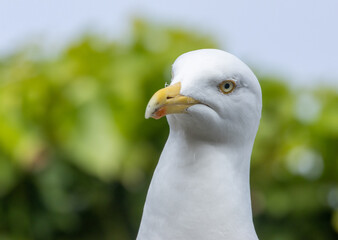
(168,100)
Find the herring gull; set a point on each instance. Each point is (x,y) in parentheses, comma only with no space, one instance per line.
(200,189)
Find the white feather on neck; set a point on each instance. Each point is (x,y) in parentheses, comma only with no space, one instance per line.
(199,191)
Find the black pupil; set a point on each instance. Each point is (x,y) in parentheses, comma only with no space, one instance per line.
(227,85)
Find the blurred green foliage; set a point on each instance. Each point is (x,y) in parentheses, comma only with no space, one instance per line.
(77,155)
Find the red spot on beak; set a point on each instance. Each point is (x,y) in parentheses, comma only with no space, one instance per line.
(160,113)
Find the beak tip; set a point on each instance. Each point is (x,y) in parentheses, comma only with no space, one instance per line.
(148,112)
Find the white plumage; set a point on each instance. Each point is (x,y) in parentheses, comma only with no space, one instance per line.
(200,189)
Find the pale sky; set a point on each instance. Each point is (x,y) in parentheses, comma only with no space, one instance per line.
(297,40)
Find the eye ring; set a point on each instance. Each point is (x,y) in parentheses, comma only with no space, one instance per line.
(227,86)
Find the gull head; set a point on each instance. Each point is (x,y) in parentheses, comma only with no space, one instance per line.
(212,96)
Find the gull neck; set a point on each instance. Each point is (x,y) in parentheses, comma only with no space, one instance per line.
(199,191)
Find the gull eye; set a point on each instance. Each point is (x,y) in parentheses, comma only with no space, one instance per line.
(227,86)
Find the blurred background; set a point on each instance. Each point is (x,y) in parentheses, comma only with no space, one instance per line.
(77,155)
